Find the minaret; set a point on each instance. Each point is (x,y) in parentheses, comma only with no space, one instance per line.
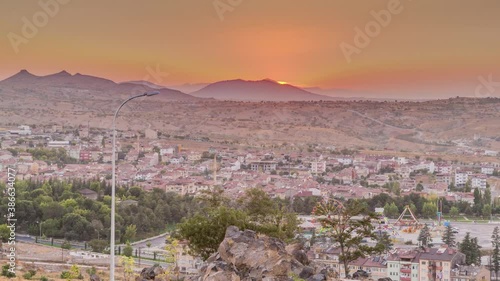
(215,168)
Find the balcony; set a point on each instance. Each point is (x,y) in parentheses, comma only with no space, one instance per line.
(405,278)
(405,270)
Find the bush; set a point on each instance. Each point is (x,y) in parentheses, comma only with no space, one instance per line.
(6,272)
(66,245)
(91,270)
(128,250)
(27,276)
(65,275)
(43,278)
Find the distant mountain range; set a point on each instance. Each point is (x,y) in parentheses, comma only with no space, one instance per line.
(262,90)
(238,90)
(63,79)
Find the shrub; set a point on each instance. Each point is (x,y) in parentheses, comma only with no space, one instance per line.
(27,276)
(6,272)
(43,278)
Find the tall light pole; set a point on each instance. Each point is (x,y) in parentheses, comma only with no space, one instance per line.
(40,224)
(113,185)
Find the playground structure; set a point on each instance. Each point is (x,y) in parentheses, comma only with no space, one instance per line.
(407,223)
(407,218)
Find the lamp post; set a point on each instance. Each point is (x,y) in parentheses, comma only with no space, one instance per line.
(113,184)
(40,224)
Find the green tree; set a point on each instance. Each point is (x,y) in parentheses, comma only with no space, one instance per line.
(385,241)
(471,249)
(130,233)
(348,225)
(128,250)
(449,237)
(66,245)
(477,197)
(424,237)
(267,215)
(429,210)
(454,212)
(487,196)
(98,245)
(486,211)
(205,231)
(391,210)
(495,256)
(4,233)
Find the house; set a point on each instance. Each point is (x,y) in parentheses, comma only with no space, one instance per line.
(437,263)
(263,166)
(403,264)
(186,263)
(57,144)
(25,157)
(461,179)
(87,193)
(85,155)
(487,170)
(470,273)
(318,167)
(478,181)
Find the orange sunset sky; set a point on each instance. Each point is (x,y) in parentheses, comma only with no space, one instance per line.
(429,46)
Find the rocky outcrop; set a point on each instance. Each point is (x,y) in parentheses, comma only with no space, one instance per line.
(151,273)
(246,256)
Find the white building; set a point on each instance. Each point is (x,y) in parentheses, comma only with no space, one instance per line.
(461,179)
(318,167)
(487,170)
(478,180)
(345,160)
(57,144)
(444,169)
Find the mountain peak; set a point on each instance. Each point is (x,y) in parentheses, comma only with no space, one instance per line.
(24,72)
(261,90)
(63,73)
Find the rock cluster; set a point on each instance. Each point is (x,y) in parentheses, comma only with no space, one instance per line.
(246,256)
(151,273)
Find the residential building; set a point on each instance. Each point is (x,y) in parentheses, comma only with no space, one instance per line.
(461,179)
(487,170)
(437,263)
(470,273)
(318,167)
(403,264)
(478,180)
(263,166)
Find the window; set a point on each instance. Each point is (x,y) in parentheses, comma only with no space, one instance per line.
(423,262)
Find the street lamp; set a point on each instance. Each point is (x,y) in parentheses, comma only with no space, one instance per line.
(40,224)
(113,184)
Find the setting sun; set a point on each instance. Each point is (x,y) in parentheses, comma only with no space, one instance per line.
(282,82)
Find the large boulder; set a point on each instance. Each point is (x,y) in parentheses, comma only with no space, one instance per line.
(151,273)
(247,256)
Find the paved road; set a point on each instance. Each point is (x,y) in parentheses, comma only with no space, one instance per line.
(482,231)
